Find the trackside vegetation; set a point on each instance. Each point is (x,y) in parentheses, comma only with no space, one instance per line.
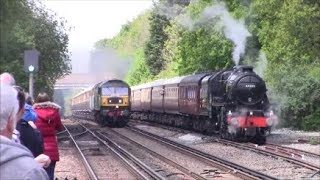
(179,37)
(26,24)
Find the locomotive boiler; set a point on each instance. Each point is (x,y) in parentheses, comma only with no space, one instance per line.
(231,102)
(107,102)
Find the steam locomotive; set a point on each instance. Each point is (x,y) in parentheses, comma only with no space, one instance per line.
(107,102)
(230,102)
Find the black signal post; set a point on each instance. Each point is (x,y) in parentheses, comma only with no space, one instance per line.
(31,66)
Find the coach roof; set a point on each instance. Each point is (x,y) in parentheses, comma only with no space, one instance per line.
(193,79)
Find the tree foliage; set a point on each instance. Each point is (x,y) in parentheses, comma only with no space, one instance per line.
(286,31)
(153,49)
(25,25)
(200,50)
(140,71)
(290,37)
(130,42)
(132,36)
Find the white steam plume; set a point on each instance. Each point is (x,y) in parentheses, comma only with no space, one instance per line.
(220,18)
(261,65)
(169,10)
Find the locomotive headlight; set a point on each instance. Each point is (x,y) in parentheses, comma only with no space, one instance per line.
(271,113)
(269,121)
(234,121)
(251,113)
(268,113)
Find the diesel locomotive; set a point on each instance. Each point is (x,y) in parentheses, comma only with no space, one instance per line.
(230,102)
(107,102)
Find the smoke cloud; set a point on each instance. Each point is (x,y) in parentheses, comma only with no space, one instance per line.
(217,16)
(261,65)
(106,62)
(168,10)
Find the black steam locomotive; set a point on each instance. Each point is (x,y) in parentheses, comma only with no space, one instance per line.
(232,103)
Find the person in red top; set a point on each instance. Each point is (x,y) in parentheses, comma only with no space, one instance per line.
(48,123)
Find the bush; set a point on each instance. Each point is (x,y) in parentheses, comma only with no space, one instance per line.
(312,122)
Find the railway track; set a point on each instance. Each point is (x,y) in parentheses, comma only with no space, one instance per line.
(111,134)
(292,155)
(236,169)
(292,151)
(92,175)
(276,151)
(132,164)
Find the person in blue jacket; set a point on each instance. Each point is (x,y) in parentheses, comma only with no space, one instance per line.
(29,115)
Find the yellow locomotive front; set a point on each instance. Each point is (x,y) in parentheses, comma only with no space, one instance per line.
(114,102)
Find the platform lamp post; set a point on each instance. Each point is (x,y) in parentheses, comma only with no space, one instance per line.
(31,66)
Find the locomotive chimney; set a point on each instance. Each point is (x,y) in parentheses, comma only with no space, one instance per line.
(243,68)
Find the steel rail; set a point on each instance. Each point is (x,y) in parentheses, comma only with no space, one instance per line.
(239,170)
(159,156)
(125,153)
(121,153)
(85,162)
(294,149)
(271,153)
(124,161)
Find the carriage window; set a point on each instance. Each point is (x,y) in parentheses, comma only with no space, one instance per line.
(189,92)
(192,95)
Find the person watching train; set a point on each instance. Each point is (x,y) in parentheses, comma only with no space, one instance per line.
(30,136)
(16,161)
(8,80)
(48,123)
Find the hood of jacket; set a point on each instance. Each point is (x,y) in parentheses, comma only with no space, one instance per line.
(11,150)
(46,110)
(17,162)
(47,104)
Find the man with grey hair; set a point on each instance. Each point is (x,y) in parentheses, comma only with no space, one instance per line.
(7,78)
(16,161)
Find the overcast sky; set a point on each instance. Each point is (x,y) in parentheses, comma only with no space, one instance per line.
(92,21)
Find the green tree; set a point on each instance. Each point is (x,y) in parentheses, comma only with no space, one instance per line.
(289,35)
(153,49)
(132,36)
(129,42)
(25,26)
(140,72)
(202,50)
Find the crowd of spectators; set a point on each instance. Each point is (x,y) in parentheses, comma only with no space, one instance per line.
(28,142)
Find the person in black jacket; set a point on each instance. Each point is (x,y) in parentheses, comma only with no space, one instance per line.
(30,136)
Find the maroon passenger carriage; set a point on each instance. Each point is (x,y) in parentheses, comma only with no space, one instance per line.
(232,103)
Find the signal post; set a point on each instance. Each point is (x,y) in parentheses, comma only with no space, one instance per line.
(31,59)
